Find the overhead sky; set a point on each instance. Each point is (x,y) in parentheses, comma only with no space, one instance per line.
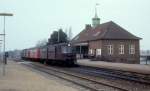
(35,20)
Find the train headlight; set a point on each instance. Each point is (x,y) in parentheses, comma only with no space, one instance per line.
(69,45)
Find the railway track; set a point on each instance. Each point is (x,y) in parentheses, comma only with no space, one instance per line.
(86,82)
(107,73)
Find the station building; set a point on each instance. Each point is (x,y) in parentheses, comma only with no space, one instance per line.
(107,42)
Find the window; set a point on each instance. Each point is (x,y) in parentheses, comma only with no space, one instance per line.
(121,49)
(91,51)
(98,52)
(131,49)
(97,33)
(66,49)
(110,49)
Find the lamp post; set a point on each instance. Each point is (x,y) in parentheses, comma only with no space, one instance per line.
(0,51)
(4,59)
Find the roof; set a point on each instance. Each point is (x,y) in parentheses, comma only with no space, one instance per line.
(108,30)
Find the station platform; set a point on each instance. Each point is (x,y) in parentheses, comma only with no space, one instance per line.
(20,78)
(137,68)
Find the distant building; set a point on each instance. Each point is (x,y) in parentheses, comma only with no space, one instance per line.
(145,53)
(107,42)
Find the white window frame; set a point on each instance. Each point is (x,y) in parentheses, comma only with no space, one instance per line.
(98,52)
(121,49)
(90,51)
(131,49)
(110,49)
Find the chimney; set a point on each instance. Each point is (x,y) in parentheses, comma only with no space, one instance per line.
(88,26)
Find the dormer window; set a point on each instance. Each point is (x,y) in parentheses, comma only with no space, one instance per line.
(97,33)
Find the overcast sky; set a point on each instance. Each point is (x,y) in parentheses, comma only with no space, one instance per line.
(35,20)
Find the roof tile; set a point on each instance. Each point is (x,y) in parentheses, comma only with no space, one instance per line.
(108,30)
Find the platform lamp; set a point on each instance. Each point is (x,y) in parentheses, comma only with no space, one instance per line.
(4,59)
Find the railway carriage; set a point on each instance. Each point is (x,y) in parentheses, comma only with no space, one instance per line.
(43,53)
(31,54)
(25,54)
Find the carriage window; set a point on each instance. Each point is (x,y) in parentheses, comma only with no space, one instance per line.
(66,49)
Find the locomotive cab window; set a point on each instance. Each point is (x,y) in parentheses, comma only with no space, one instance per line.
(66,49)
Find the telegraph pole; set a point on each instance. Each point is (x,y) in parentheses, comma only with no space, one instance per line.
(58,36)
(4,35)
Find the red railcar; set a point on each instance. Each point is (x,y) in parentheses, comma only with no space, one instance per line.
(31,54)
(35,53)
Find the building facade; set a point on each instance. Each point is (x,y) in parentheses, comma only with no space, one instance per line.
(107,42)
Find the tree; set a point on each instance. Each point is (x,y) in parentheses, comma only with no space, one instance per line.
(41,43)
(62,36)
(53,39)
(58,37)
(70,34)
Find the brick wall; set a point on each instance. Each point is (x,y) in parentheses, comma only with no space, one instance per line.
(116,57)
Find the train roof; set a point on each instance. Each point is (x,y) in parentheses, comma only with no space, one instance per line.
(59,44)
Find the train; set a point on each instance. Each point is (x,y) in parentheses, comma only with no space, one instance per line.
(62,53)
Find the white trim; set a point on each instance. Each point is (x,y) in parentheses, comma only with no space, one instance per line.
(81,44)
(110,49)
(121,49)
(131,49)
(90,51)
(98,52)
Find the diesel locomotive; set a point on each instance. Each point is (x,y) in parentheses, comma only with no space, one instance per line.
(62,53)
